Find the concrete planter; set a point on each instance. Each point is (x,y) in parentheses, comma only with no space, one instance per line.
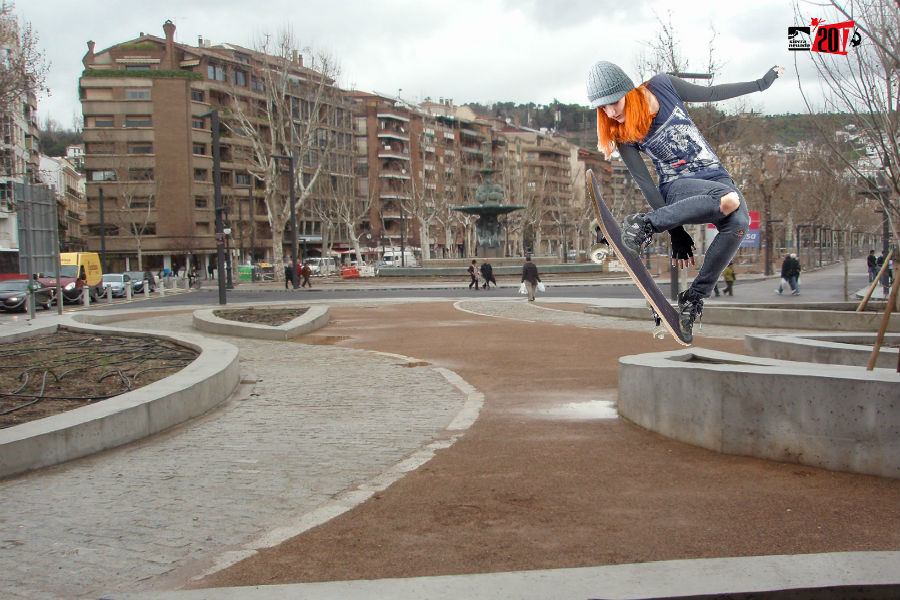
(841,418)
(194,390)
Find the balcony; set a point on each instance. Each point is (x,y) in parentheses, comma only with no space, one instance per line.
(392,116)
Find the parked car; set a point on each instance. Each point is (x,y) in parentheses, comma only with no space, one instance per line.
(77,271)
(117,282)
(137,280)
(14,294)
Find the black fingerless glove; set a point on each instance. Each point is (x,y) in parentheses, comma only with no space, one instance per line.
(682,244)
(767,79)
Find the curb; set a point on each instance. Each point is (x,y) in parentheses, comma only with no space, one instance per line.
(206,382)
(314,318)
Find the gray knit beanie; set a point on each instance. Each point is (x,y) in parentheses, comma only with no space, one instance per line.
(607,84)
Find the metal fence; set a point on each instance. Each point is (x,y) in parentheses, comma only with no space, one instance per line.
(37,225)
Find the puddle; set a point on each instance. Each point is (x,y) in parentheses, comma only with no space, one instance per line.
(324,340)
(581,411)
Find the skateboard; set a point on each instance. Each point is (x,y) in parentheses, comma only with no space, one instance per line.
(664,314)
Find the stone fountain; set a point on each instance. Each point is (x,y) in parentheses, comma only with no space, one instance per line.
(489,196)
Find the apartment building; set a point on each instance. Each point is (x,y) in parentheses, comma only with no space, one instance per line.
(67,183)
(149,151)
(542,179)
(19,162)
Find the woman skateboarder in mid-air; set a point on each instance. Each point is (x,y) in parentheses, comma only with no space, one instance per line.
(693,186)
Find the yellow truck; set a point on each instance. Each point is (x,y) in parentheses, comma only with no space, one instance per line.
(77,271)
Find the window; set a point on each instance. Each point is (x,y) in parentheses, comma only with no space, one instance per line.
(140,148)
(140,174)
(137,93)
(138,121)
(199,148)
(100,121)
(214,71)
(137,67)
(103,175)
(257,84)
(240,78)
(242,58)
(201,202)
(197,95)
(107,230)
(99,148)
(198,123)
(142,203)
(201,175)
(242,178)
(145,229)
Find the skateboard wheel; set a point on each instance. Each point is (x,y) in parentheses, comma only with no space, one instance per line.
(659,332)
(599,252)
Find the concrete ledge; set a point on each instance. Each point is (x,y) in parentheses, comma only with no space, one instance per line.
(748,316)
(314,318)
(842,418)
(200,386)
(833,349)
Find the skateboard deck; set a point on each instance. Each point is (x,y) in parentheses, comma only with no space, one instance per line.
(663,312)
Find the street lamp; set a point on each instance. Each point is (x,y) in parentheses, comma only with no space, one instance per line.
(227,231)
(768,267)
(219,209)
(290,160)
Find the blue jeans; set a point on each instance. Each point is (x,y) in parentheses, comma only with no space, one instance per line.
(696,202)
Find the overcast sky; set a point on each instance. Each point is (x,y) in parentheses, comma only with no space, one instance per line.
(467,50)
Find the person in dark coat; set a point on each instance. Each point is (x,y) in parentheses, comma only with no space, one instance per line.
(487,273)
(530,277)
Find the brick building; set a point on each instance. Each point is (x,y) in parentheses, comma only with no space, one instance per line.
(149,151)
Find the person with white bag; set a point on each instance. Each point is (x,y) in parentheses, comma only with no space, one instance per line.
(530,278)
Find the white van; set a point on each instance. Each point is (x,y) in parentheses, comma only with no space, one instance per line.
(393,259)
(321,266)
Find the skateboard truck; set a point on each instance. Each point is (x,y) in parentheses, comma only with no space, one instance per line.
(659,331)
(601,249)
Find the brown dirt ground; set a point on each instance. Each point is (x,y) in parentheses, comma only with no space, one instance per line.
(261,316)
(522,492)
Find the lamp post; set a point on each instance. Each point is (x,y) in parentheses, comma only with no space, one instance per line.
(227,231)
(219,208)
(768,269)
(290,160)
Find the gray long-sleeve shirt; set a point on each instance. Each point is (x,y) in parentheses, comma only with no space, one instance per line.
(673,143)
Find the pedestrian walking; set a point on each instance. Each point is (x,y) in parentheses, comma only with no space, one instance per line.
(872,265)
(210,270)
(530,277)
(729,276)
(288,272)
(487,273)
(786,270)
(693,186)
(306,272)
(473,275)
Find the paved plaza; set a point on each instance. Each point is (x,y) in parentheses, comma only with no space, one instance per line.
(313,430)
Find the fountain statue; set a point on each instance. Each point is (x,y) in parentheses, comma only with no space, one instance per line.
(489,196)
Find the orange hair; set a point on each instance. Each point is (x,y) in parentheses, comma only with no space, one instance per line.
(633,129)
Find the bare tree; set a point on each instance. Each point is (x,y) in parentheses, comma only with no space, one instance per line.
(290,115)
(23,69)
(865,83)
